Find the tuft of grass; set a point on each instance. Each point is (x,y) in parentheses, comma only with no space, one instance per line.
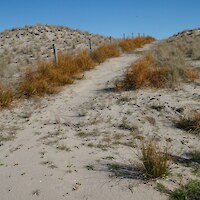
(104,52)
(84,61)
(6,96)
(190,123)
(191,74)
(155,161)
(190,191)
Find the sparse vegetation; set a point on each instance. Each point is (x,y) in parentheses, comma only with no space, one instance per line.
(190,122)
(155,161)
(190,191)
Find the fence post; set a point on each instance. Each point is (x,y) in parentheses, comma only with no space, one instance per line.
(124,36)
(110,39)
(132,35)
(90,45)
(55,54)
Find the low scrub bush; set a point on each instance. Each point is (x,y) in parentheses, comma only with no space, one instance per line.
(155,161)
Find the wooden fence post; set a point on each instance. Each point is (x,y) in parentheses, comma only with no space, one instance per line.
(55,54)
(90,46)
(110,39)
(124,36)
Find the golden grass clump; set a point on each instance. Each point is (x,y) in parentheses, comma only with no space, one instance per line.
(49,75)
(191,74)
(155,161)
(6,96)
(190,122)
(144,73)
(147,72)
(104,52)
(84,61)
(130,44)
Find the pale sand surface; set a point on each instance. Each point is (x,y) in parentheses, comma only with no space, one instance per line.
(76,144)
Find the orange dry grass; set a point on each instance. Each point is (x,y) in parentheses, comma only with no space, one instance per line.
(84,61)
(130,44)
(191,75)
(126,45)
(6,96)
(104,52)
(145,73)
(49,75)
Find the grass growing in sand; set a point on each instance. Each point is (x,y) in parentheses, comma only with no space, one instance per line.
(6,96)
(104,52)
(48,75)
(190,191)
(190,123)
(147,72)
(130,44)
(155,161)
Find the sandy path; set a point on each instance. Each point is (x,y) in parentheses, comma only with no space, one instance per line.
(47,160)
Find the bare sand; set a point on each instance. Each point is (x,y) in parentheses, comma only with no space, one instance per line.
(82,142)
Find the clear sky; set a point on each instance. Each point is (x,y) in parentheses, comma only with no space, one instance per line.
(158,18)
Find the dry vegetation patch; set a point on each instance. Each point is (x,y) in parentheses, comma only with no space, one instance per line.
(155,161)
(104,52)
(163,67)
(130,44)
(190,122)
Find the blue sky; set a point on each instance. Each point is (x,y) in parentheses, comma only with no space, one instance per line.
(158,18)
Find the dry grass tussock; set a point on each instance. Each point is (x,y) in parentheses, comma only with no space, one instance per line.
(130,44)
(190,122)
(164,67)
(155,161)
(104,52)
(6,96)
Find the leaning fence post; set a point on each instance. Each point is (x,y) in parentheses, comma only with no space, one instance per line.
(55,54)
(90,46)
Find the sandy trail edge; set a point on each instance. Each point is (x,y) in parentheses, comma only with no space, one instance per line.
(34,168)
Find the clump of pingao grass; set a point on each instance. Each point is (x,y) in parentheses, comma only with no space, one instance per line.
(155,161)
